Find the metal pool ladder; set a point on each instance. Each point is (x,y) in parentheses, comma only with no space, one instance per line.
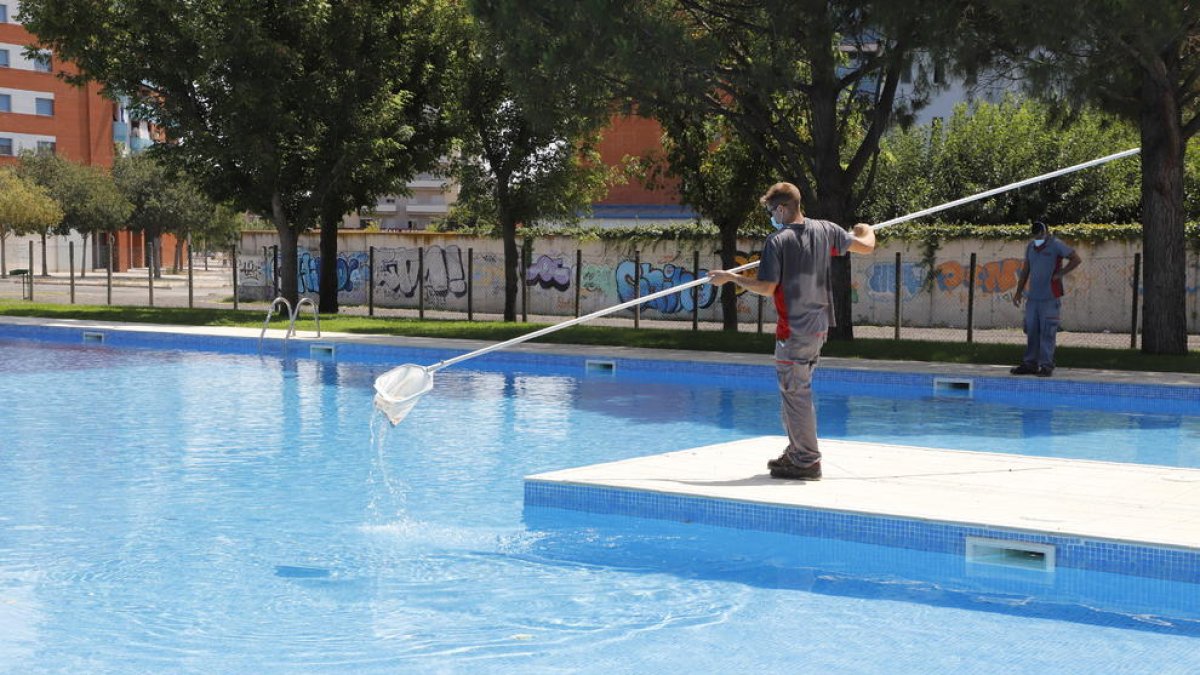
(293,314)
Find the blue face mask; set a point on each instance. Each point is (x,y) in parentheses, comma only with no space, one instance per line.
(776,224)
(1038,242)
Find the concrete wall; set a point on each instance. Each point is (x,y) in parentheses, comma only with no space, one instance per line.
(16,253)
(1099,294)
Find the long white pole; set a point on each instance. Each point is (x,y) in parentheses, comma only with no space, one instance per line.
(751,265)
(578,320)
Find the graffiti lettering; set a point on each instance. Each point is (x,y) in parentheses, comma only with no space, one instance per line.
(396,272)
(308,272)
(997,276)
(653,280)
(251,273)
(881,279)
(351,271)
(548,273)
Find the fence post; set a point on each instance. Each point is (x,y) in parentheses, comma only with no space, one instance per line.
(150,271)
(637,287)
(421,283)
(30,272)
(470,284)
(521,274)
(896,333)
(112,242)
(233,265)
(71,267)
(696,291)
(370,281)
(275,269)
(760,299)
(578,278)
(191,279)
(971,301)
(1137,282)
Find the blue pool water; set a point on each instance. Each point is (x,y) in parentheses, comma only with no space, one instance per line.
(181,511)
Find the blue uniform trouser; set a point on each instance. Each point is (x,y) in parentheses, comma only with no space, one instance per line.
(1041,330)
(795,361)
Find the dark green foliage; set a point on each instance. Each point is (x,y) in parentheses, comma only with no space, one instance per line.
(988,145)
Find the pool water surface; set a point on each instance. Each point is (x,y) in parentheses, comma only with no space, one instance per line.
(196,512)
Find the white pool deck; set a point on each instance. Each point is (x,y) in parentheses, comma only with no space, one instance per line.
(1129,503)
(1126,503)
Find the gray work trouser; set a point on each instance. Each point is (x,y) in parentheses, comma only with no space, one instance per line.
(795,361)
(1042,318)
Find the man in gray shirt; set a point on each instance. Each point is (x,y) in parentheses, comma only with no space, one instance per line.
(1044,270)
(794,270)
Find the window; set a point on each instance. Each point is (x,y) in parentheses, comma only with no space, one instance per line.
(45,106)
(5,103)
(6,147)
(41,62)
(3,13)
(3,58)
(48,147)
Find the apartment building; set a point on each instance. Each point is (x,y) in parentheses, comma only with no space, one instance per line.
(41,112)
(428,201)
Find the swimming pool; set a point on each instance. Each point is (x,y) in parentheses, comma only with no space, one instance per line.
(190,511)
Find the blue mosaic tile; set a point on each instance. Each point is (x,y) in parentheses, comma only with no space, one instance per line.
(1160,398)
(1099,556)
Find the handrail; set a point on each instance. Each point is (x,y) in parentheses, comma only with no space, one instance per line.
(296,314)
(271,313)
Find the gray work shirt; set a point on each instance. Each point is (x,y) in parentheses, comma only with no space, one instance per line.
(797,258)
(1043,262)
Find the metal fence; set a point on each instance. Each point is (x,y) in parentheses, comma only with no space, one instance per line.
(894,295)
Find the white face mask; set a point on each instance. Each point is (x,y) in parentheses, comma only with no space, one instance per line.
(1038,242)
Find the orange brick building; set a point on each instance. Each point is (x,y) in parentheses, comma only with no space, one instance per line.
(41,112)
(632,136)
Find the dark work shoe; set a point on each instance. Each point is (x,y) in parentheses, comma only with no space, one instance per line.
(785,469)
(779,461)
(1023,369)
(1045,371)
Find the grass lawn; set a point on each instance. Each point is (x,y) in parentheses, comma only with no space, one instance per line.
(718,341)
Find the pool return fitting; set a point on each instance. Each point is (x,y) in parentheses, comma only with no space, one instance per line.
(399,389)
(292,313)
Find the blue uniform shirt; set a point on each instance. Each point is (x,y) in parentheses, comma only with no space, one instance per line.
(1043,261)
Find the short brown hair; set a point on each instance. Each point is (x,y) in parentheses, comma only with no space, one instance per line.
(782,193)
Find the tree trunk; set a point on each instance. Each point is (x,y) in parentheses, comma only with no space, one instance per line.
(833,199)
(511,262)
(45,269)
(328,301)
(729,317)
(288,238)
(177,263)
(1164,319)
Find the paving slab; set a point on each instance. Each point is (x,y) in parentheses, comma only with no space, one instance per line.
(1126,503)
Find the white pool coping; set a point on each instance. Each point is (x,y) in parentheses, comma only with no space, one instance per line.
(1126,503)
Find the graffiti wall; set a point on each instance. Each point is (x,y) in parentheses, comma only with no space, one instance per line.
(562,277)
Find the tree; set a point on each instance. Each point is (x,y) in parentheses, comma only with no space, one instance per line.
(718,175)
(811,86)
(519,161)
(985,145)
(1139,59)
(161,202)
(87,195)
(25,206)
(277,111)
